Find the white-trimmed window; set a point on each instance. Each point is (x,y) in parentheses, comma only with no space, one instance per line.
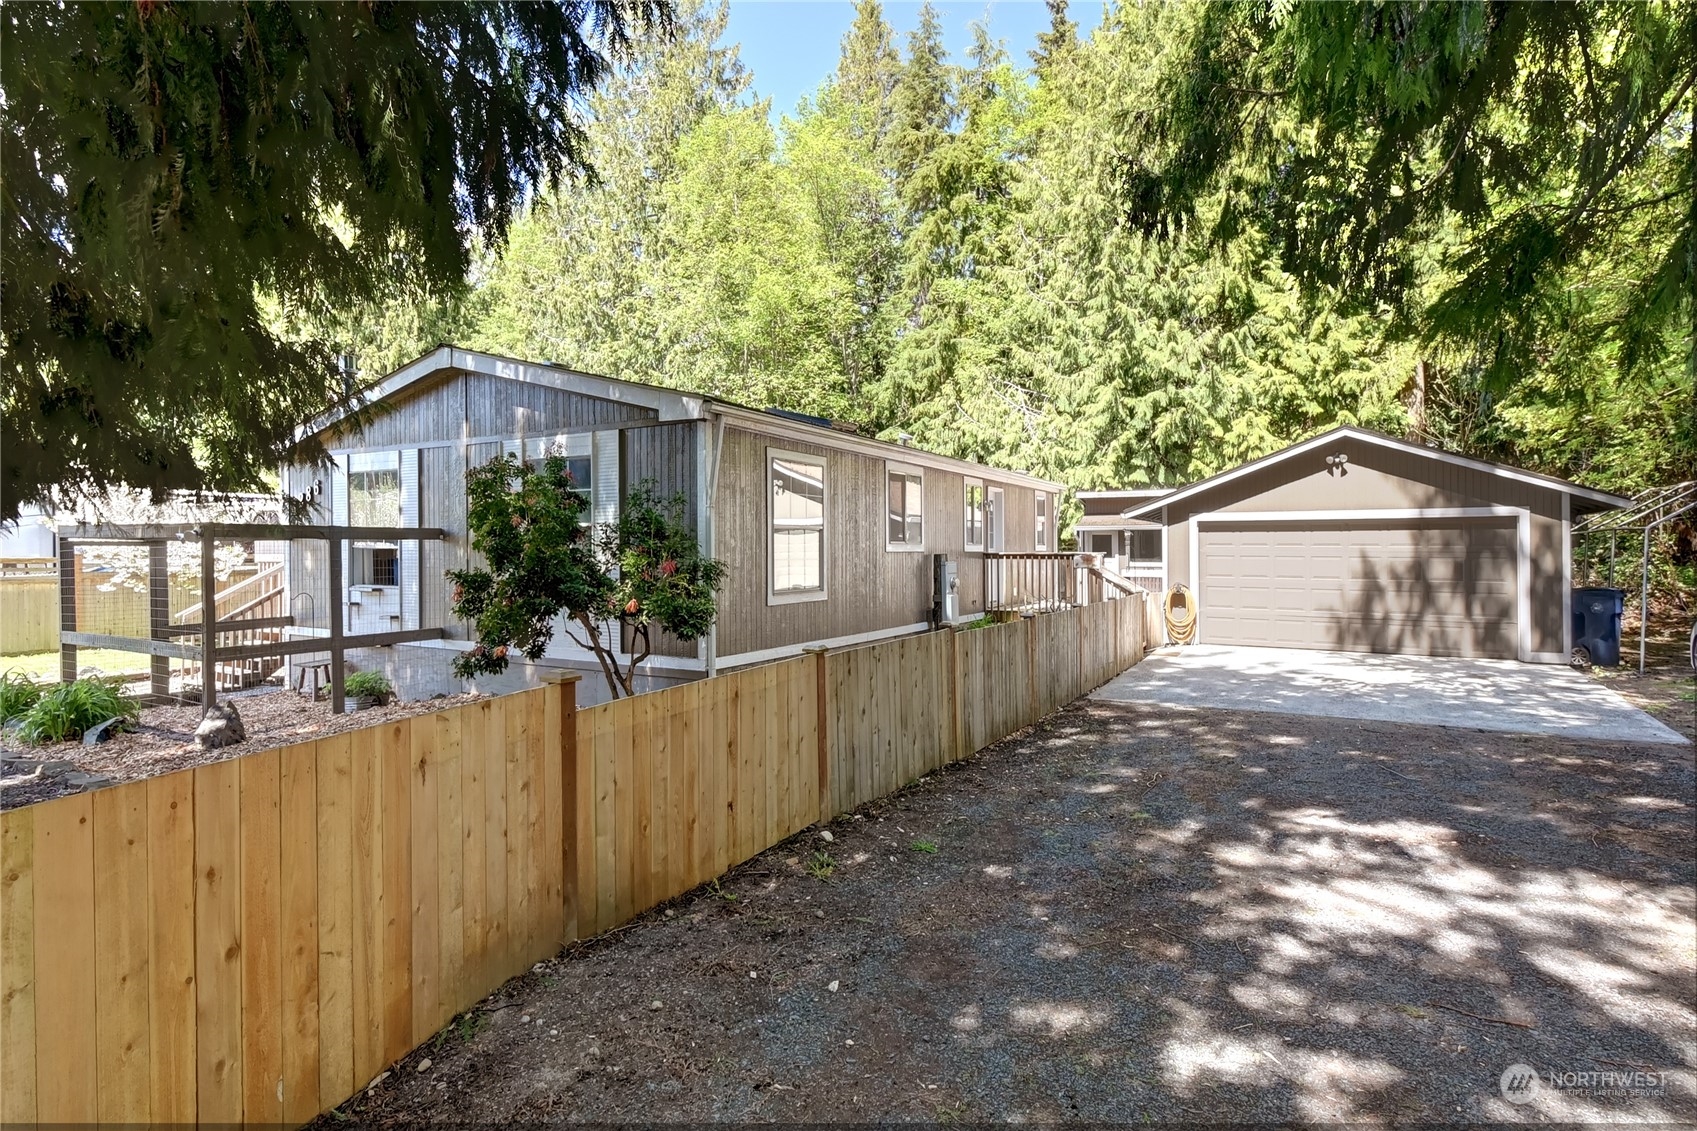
(904,509)
(374,499)
(576,449)
(796,510)
(995,518)
(1042,541)
(975,514)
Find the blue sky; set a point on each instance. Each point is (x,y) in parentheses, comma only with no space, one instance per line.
(791,45)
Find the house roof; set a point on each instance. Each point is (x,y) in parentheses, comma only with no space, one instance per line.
(1113,522)
(1126,493)
(670,404)
(1591,499)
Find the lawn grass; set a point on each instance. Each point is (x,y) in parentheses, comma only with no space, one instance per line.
(43,667)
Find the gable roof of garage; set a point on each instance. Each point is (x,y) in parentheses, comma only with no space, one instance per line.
(1597,500)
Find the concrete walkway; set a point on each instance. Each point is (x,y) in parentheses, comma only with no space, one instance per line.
(1499,695)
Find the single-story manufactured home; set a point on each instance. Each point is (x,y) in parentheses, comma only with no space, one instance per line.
(830,537)
(1361,542)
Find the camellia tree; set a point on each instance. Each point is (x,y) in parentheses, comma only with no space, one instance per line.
(612,581)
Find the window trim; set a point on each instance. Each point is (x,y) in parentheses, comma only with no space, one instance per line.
(573,446)
(908,469)
(355,549)
(968,482)
(993,494)
(1040,521)
(805,596)
(373,463)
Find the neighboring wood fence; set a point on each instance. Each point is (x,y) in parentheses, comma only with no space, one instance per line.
(254,940)
(29,605)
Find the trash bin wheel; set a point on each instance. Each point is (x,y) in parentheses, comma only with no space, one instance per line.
(1581,658)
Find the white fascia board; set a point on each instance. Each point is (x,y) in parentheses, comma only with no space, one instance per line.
(1129,492)
(1549,483)
(753,420)
(1389,515)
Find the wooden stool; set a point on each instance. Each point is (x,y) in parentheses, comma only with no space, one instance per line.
(319,673)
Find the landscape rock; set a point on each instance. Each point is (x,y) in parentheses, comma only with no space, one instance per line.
(85,782)
(57,768)
(221,726)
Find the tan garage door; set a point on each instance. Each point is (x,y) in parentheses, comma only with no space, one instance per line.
(1416,589)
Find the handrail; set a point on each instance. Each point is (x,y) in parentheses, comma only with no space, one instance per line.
(182,616)
(1116,580)
(266,597)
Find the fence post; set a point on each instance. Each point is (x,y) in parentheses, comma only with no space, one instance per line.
(338,594)
(209,617)
(562,702)
(823,725)
(158,616)
(67,609)
(1032,712)
(954,692)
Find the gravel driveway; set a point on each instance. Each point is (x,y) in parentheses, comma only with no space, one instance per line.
(1127,914)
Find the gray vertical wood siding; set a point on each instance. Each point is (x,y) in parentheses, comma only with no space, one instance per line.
(869,587)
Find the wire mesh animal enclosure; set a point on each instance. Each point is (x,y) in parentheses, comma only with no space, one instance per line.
(211,608)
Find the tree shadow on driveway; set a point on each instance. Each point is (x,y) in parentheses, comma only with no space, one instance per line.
(1131,914)
(1335,921)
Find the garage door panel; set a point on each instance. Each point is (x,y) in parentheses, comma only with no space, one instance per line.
(1425,589)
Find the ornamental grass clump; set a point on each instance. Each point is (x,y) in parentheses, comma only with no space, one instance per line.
(67,710)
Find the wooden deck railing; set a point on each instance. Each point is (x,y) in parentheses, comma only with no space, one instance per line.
(254,940)
(1033,582)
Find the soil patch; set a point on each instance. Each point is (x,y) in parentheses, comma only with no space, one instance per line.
(164,740)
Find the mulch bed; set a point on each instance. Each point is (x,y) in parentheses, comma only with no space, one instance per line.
(164,740)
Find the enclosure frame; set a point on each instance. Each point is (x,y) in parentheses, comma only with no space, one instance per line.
(161,643)
(1651,510)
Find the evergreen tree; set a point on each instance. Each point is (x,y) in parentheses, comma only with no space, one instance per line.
(182,181)
(574,283)
(1058,43)
(866,73)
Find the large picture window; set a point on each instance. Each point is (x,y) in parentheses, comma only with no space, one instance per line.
(797,526)
(905,509)
(974,514)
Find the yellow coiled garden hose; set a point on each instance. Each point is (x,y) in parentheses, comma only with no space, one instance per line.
(1181,614)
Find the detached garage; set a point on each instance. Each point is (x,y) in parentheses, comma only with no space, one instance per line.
(1359,542)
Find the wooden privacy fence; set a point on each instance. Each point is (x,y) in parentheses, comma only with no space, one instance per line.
(254,940)
(29,605)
